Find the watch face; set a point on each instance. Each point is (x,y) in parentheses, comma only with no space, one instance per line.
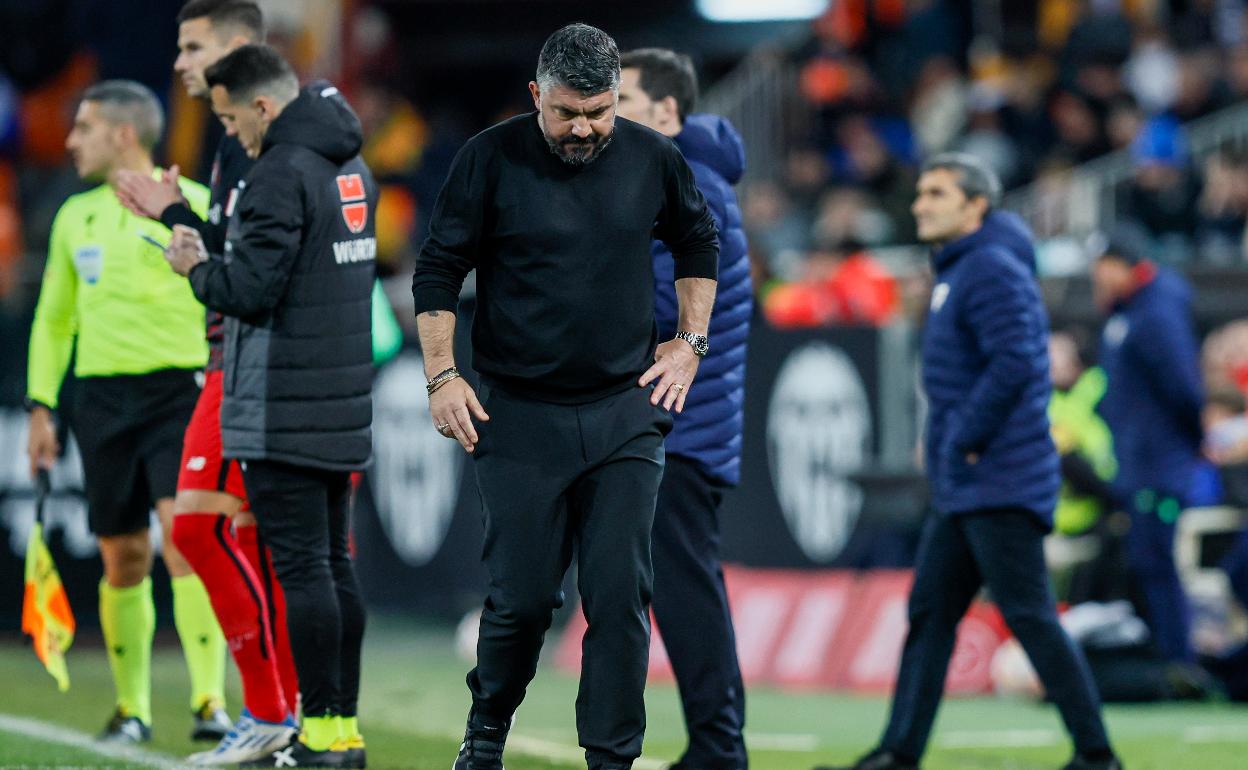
(700,345)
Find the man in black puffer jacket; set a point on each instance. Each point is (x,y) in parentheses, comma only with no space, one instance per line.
(295,285)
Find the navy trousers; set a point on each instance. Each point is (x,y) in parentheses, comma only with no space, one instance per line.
(1002,549)
(691,609)
(1150,553)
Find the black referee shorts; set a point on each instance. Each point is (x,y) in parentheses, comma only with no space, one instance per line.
(129,430)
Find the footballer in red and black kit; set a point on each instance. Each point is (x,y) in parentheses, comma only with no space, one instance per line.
(229,166)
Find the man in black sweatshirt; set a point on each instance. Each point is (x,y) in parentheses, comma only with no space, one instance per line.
(295,286)
(555,210)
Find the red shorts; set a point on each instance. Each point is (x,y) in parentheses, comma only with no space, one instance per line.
(203,467)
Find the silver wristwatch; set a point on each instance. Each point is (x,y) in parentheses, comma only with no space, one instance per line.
(699,342)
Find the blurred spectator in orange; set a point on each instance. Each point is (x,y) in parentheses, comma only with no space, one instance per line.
(843,285)
(396,134)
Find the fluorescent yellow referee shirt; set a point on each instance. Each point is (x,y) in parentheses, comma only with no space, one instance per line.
(110,297)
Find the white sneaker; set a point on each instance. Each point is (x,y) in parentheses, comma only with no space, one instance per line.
(248,739)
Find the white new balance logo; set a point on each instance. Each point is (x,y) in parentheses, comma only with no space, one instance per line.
(285,758)
(196,463)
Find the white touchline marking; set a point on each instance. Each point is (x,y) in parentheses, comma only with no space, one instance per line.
(997,739)
(543,749)
(51,733)
(1215,733)
(781,741)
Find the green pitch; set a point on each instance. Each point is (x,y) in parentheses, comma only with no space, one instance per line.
(414,703)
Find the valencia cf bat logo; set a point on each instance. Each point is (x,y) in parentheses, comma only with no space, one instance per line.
(354,207)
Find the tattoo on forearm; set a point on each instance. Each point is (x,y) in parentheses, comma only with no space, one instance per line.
(433,314)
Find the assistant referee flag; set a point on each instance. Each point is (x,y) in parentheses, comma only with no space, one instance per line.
(45,607)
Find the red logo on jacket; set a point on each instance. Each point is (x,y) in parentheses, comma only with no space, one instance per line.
(354,207)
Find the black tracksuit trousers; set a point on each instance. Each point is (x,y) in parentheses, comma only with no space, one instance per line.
(303,517)
(554,477)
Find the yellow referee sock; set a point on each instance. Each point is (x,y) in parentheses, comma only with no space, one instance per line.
(319,733)
(203,644)
(128,619)
(349,731)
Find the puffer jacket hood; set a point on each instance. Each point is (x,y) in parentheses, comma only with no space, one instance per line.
(321,120)
(1009,230)
(713,141)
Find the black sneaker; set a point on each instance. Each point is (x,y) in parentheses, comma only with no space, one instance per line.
(210,722)
(482,748)
(876,760)
(125,729)
(1079,763)
(299,754)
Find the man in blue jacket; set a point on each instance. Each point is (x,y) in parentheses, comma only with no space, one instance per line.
(658,89)
(993,469)
(1152,406)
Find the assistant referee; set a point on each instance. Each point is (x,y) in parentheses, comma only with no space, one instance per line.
(136,331)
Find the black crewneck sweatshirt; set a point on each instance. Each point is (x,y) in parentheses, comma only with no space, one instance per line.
(565,286)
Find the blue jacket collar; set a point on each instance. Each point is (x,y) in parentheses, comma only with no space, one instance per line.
(712,140)
(1003,229)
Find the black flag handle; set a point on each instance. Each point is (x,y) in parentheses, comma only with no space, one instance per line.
(43,487)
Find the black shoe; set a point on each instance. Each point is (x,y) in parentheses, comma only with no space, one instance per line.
(125,729)
(1079,763)
(299,754)
(482,748)
(876,760)
(210,722)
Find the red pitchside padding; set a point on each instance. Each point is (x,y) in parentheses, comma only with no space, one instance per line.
(826,630)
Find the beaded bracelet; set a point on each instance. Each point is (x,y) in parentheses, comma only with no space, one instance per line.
(441,378)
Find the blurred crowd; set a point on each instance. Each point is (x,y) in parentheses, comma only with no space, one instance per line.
(1036,91)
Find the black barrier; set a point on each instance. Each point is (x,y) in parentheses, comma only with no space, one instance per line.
(822,408)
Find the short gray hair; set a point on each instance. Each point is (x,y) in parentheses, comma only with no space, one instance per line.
(975,178)
(579,57)
(128,101)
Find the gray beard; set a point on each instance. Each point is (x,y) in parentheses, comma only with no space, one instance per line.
(579,160)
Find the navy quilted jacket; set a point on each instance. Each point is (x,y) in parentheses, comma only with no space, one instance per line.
(709,430)
(1152,405)
(986,373)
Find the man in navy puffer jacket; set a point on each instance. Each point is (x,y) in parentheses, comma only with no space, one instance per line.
(658,88)
(1152,405)
(993,469)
